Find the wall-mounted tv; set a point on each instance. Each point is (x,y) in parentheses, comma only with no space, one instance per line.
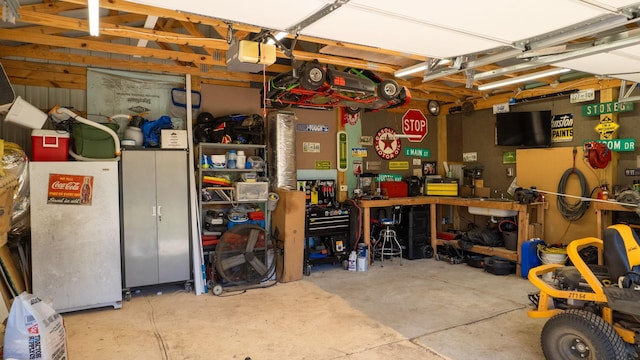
(524,129)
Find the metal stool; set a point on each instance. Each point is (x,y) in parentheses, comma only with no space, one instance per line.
(389,244)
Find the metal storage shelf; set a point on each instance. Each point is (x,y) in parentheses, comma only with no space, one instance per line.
(208,149)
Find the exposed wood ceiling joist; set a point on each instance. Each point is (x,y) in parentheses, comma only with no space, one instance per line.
(187,43)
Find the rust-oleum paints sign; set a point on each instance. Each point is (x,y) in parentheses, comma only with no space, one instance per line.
(606,108)
(562,128)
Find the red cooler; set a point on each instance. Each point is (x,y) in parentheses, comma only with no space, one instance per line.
(49,145)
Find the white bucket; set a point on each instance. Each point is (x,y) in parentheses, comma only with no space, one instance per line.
(24,114)
(551,258)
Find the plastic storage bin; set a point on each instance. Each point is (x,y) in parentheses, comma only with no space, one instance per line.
(252,191)
(49,145)
(91,142)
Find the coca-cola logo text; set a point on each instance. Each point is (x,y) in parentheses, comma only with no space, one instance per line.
(61,185)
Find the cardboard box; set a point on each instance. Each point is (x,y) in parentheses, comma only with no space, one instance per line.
(467,191)
(173,139)
(288,222)
(535,231)
(8,188)
(49,145)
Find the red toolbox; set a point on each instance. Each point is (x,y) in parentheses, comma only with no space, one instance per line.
(394,189)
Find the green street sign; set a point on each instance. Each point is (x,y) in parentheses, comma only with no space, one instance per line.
(620,145)
(606,108)
(425,153)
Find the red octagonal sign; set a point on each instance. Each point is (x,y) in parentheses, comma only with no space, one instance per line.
(415,125)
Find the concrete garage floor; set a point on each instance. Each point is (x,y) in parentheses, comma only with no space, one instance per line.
(424,309)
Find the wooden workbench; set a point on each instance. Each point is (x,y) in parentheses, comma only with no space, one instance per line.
(437,202)
(603,221)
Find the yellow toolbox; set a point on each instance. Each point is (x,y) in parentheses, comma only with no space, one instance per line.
(442,187)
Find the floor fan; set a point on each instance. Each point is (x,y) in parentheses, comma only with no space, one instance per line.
(244,258)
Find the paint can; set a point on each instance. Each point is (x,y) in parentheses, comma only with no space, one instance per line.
(363,250)
(362,264)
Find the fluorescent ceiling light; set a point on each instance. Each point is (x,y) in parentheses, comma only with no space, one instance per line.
(522,78)
(420,67)
(94,17)
(279,36)
(411,70)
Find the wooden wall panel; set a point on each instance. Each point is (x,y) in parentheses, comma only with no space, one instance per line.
(543,168)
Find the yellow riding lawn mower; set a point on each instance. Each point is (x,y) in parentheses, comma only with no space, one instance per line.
(593,310)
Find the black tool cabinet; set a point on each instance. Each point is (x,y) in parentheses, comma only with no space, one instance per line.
(327,236)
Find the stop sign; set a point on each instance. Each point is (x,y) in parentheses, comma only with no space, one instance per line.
(414,124)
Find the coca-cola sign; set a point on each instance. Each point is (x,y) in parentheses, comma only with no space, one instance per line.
(70,189)
(61,185)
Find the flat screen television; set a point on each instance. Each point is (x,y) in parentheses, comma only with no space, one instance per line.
(524,129)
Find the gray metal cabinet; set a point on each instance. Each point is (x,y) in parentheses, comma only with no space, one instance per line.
(155,217)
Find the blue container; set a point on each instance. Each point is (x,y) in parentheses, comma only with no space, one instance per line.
(231,224)
(362,250)
(529,256)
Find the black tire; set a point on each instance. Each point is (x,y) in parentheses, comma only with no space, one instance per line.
(428,252)
(388,89)
(313,76)
(579,334)
(353,110)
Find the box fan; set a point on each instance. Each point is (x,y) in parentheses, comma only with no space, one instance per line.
(244,258)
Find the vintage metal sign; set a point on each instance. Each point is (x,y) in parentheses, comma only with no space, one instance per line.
(70,189)
(606,108)
(562,128)
(620,145)
(425,153)
(387,145)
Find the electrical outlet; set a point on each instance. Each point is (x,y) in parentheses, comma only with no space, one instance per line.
(344,188)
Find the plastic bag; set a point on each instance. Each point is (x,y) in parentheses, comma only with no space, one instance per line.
(34,331)
(151,130)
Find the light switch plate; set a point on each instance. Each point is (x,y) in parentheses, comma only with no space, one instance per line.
(344,188)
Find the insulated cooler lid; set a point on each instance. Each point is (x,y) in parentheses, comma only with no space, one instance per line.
(41,132)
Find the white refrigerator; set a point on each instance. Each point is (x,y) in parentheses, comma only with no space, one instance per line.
(75,234)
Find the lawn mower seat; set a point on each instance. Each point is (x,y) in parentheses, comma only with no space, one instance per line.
(621,250)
